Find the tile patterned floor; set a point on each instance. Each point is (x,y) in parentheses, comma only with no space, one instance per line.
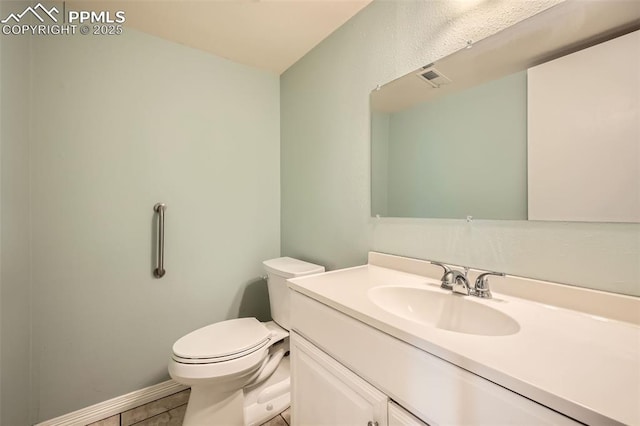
(169,411)
(283,419)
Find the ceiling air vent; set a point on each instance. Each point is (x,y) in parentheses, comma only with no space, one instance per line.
(434,77)
(430,75)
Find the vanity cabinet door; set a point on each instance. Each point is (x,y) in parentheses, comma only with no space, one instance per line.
(323,392)
(398,416)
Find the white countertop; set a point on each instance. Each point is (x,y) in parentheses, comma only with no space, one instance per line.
(581,365)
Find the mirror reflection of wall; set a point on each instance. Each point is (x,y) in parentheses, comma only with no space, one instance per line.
(460,155)
(450,140)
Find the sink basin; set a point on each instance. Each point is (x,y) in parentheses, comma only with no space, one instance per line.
(443,310)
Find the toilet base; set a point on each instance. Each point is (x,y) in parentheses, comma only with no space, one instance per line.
(206,406)
(250,406)
(270,398)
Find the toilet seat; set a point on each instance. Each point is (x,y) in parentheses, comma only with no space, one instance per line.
(214,360)
(222,341)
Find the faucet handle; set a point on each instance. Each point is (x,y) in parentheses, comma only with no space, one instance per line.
(442,265)
(481,287)
(446,281)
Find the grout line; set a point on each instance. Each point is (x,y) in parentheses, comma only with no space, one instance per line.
(273,418)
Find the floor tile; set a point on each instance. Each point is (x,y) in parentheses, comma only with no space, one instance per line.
(286,415)
(170,418)
(276,421)
(154,408)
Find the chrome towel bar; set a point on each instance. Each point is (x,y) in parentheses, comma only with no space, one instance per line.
(160,271)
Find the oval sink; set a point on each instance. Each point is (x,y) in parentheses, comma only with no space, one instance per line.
(443,310)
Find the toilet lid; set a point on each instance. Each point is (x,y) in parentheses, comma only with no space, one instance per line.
(222,339)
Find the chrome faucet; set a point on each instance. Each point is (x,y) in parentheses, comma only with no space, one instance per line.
(451,276)
(458,282)
(461,283)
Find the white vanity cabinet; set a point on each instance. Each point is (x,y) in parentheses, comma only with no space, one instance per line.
(398,416)
(345,372)
(327,393)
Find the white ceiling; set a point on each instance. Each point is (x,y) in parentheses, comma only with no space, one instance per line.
(266,34)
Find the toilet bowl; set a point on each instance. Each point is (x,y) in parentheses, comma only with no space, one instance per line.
(238,369)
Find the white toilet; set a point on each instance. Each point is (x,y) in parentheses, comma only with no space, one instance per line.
(237,369)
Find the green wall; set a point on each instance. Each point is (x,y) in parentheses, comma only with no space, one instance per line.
(326,154)
(113,126)
(15,292)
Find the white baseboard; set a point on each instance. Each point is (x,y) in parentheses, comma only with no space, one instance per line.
(115,405)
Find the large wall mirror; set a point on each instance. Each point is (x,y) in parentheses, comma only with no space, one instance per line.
(538,122)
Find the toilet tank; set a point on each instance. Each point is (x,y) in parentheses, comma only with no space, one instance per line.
(278,271)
